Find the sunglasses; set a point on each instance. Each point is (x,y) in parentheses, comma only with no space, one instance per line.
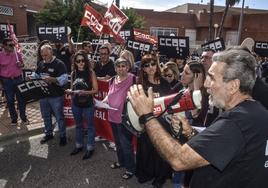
(149,64)
(80,60)
(168,75)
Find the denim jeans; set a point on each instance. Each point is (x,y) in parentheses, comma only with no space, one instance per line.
(81,115)
(9,90)
(49,106)
(177,179)
(124,148)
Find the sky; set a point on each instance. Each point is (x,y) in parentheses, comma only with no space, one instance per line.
(161,5)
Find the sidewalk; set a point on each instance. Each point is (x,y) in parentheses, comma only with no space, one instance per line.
(8,131)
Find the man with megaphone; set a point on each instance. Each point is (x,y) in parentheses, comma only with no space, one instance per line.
(233,151)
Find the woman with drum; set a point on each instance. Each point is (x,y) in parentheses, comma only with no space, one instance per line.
(149,164)
(83,86)
(118,88)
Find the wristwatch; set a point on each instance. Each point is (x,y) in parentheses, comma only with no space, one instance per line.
(146,117)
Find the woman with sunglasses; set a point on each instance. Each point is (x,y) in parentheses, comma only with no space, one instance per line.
(171,73)
(118,88)
(83,86)
(149,164)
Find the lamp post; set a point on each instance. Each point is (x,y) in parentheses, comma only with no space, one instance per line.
(216,26)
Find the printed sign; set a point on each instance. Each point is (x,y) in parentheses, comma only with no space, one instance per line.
(143,36)
(4,30)
(126,34)
(137,48)
(261,48)
(174,47)
(217,45)
(52,33)
(33,90)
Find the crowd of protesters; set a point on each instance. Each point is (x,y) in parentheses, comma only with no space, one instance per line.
(56,61)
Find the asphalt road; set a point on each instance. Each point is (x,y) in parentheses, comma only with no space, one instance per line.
(28,164)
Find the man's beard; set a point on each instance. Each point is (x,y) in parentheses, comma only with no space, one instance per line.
(213,102)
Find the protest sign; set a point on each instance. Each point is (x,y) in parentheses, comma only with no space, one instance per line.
(173,47)
(53,33)
(217,45)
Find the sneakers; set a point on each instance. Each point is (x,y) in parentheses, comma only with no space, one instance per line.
(63,141)
(13,122)
(46,138)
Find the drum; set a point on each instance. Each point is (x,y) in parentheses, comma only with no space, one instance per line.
(130,119)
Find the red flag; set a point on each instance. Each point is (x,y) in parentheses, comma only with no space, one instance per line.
(114,19)
(93,20)
(143,36)
(12,35)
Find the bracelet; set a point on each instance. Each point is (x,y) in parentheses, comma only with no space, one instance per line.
(192,134)
(146,117)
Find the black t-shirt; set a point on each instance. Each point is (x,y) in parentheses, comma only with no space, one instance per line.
(65,56)
(103,70)
(236,145)
(161,89)
(260,92)
(82,81)
(54,69)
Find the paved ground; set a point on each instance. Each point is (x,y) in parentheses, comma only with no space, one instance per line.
(27,163)
(14,149)
(8,131)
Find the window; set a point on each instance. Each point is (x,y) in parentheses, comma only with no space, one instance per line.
(6,11)
(166,31)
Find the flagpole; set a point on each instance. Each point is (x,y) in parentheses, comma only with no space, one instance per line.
(78,35)
(97,47)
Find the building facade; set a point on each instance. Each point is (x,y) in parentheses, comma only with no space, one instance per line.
(193,20)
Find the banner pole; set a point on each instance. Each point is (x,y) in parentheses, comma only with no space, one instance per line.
(97,47)
(78,35)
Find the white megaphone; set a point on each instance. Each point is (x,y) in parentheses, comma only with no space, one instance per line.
(175,103)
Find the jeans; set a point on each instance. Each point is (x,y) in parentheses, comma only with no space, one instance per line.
(49,106)
(9,90)
(177,179)
(86,114)
(124,149)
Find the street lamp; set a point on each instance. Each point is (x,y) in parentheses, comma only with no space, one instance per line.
(216,28)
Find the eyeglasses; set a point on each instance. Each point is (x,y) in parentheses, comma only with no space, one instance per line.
(168,75)
(149,64)
(80,60)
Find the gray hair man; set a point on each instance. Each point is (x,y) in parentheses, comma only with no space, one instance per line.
(232,152)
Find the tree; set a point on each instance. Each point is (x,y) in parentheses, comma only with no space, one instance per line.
(228,3)
(71,12)
(134,20)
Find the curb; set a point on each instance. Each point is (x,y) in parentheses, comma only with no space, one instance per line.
(18,134)
(21,133)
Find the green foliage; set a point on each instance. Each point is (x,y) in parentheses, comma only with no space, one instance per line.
(134,20)
(70,14)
